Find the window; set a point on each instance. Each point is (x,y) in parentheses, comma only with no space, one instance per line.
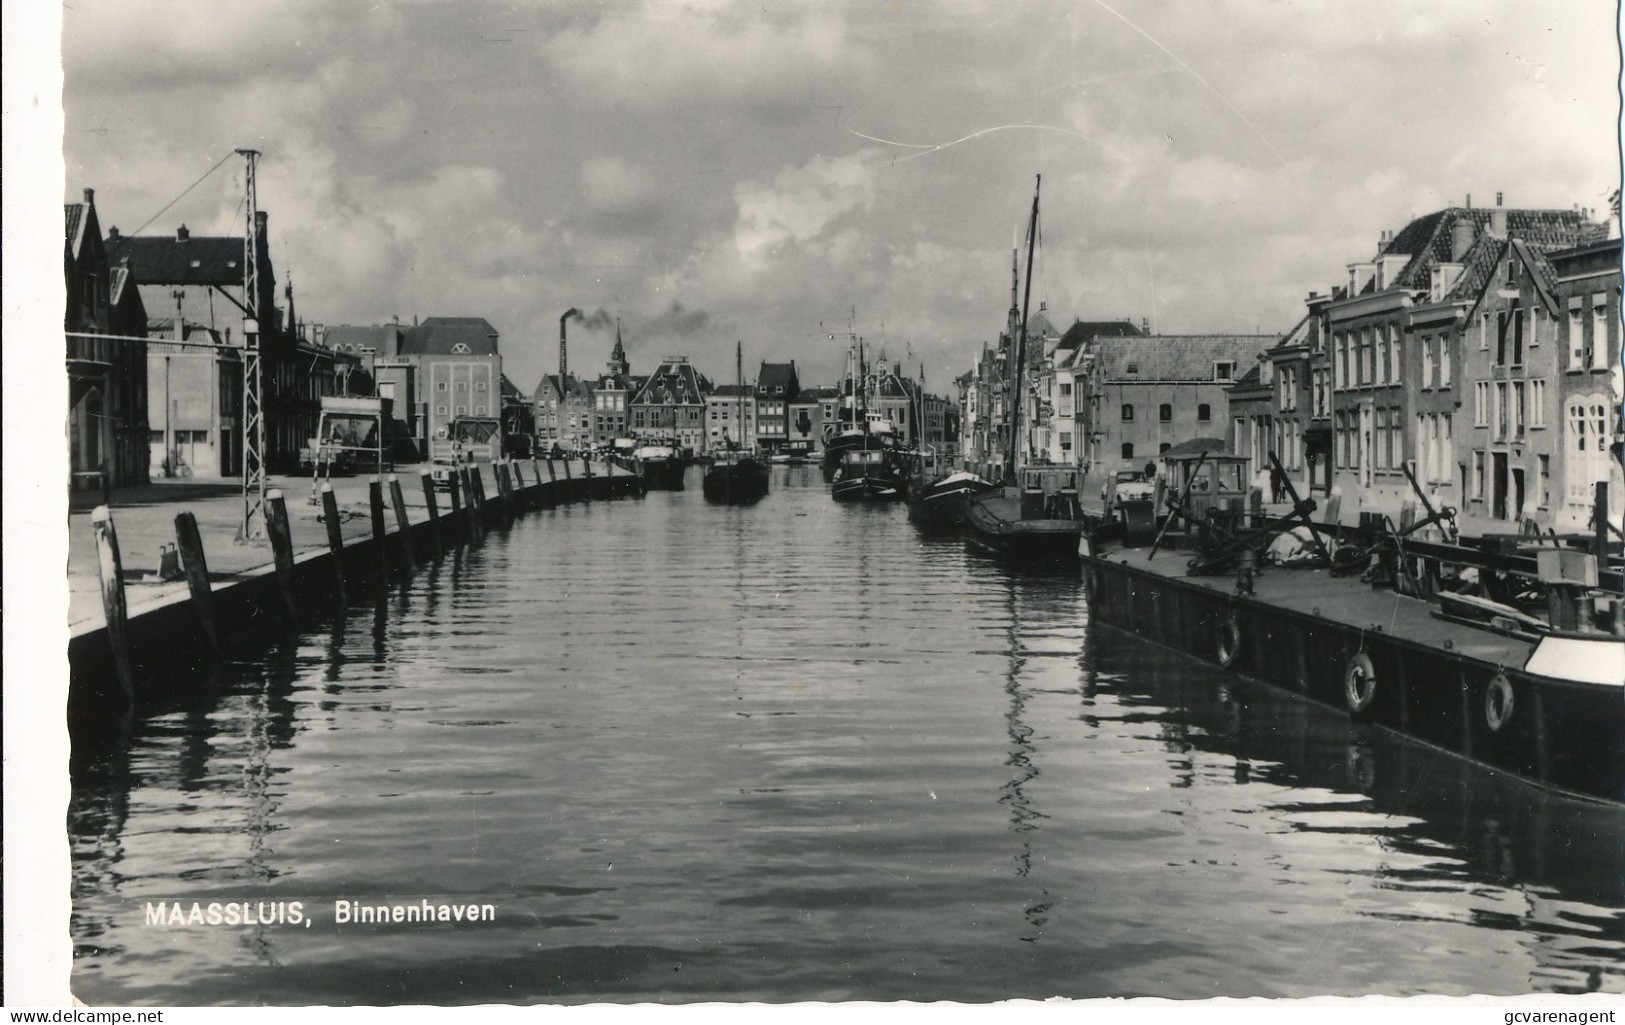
(1444,361)
(1396,352)
(1224,370)
(1537,403)
(1066,388)
(1517,408)
(1128,450)
(1204,412)
(1577,335)
(1165,413)
(1481,403)
(1483,332)
(440,410)
(441,386)
(1128,412)
(1500,337)
(480,386)
(1501,412)
(1599,331)
(1133,368)
(1165,446)
(462,410)
(1385,351)
(1066,441)
(1427,361)
(1478,475)
(1545,480)
(461,349)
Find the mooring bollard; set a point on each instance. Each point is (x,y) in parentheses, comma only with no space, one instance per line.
(403,526)
(281,534)
(196,567)
(111,568)
(434,513)
(375,499)
(335,537)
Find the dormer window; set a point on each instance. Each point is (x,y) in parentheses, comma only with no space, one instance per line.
(1224,370)
(461,349)
(1134,368)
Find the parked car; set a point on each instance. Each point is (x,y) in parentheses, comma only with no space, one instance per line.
(1125,486)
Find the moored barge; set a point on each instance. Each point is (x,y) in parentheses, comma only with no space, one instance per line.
(1549,708)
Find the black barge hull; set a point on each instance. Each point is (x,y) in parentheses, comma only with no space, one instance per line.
(1558,733)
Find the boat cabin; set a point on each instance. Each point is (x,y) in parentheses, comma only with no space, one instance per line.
(1049,492)
(1217,479)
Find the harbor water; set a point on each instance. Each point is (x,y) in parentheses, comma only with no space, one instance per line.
(796,751)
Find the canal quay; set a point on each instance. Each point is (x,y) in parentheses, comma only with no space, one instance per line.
(657,749)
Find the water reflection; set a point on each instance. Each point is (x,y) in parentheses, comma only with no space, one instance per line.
(797,751)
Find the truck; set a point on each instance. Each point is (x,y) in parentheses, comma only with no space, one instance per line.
(466,440)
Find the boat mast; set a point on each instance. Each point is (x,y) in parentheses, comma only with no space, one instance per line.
(739,389)
(1017,396)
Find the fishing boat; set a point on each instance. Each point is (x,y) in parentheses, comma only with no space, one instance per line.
(736,477)
(1034,514)
(662,465)
(873,474)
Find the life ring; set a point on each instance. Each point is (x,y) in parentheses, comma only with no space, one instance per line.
(1498,702)
(1359,683)
(1229,642)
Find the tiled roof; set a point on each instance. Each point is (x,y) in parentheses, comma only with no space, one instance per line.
(732,391)
(168,260)
(73,224)
(442,336)
(673,383)
(1248,381)
(1428,239)
(383,339)
(1176,357)
(776,375)
(572,387)
(508,389)
(1083,330)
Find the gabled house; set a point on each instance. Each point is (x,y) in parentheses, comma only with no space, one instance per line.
(1588,381)
(777,385)
(670,404)
(611,394)
(106,324)
(564,413)
(1406,308)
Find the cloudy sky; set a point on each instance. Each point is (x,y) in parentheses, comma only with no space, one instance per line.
(711,171)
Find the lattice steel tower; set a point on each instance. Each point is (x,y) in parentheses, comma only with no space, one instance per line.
(253,525)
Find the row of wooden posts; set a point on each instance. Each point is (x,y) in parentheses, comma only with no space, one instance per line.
(470,509)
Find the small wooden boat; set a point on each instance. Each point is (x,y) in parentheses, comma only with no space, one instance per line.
(941,500)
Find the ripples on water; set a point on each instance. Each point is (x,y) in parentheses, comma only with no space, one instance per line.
(800,752)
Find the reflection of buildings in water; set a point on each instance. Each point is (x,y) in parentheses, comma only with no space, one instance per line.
(1489,851)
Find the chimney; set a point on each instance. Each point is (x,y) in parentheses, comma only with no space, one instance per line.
(112,234)
(1462,233)
(1469,200)
(1497,199)
(90,197)
(181,234)
(395,318)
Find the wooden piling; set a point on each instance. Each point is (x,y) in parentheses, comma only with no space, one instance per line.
(375,500)
(520,498)
(280,531)
(335,537)
(586,464)
(196,566)
(403,526)
(476,500)
(434,513)
(111,568)
(1255,507)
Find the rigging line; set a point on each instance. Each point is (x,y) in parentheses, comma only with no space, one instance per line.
(1196,75)
(184,191)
